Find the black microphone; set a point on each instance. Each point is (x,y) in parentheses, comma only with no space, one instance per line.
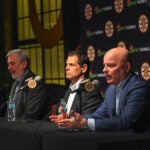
(96,83)
(87,86)
(30,83)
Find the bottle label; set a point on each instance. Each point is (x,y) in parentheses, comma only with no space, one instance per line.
(11,111)
(11,105)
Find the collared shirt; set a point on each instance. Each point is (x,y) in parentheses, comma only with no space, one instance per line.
(118,89)
(72,95)
(18,83)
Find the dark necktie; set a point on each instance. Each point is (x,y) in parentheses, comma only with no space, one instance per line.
(16,89)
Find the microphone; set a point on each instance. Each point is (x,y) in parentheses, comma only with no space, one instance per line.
(30,82)
(87,85)
(96,83)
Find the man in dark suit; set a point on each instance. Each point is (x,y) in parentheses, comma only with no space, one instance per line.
(29,96)
(127,100)
(77,97)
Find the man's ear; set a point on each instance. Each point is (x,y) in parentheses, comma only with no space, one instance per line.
(25,64)
(84,68)
(127,67)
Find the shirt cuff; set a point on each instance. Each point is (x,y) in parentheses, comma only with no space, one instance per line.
(91,124)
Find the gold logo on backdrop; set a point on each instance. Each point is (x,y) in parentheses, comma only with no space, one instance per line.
(145,71)
(109,28)
(121,44)
(88,11)
(118,5)
(143,23)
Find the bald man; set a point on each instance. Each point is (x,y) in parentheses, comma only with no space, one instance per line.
(126,103)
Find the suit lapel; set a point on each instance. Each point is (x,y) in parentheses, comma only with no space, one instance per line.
(122,94)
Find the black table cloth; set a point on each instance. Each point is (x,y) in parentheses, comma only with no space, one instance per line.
(36,135)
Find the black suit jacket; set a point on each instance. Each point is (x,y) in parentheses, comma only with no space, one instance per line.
(85,102)
(30,103)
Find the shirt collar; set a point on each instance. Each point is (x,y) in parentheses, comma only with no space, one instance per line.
(20,79)
(75,85)
(121,84)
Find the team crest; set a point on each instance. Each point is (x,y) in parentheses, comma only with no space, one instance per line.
(88,11)
(121,44)
(118,5)
(109,28)
(143,23)
(89,86)
(145,71)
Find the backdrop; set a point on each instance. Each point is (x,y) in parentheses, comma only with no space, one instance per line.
(95,26)
(110,23)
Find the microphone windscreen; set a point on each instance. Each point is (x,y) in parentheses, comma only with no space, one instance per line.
(37,78)
(96,83)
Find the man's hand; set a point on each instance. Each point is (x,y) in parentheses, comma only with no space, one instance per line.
(56,118)
(75,122)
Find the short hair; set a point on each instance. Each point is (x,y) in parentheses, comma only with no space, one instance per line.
(22,55)
(82,59)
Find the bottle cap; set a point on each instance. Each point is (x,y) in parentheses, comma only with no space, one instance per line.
(10,97)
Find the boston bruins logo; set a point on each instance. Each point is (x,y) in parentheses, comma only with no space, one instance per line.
(121,44)
(32,83)
(88,11)
(109,28)
(145,71)
(118,5)
(143,23)
(89,86)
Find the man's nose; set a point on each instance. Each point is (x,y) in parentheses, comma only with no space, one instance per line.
(8,67)
(67,67)
(105,69)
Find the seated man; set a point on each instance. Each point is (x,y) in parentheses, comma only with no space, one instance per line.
(127,100)
(30,102)
(77,97)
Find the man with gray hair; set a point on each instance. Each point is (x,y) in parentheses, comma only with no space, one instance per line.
(29,97)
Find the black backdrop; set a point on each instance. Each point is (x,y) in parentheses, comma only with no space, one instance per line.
(107,24)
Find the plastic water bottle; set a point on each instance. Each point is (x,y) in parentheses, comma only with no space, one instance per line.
(11,109)
(63,104)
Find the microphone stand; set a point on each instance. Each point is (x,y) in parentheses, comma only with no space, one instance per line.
(80,102)
(25,118)
(25,104)
(79,94)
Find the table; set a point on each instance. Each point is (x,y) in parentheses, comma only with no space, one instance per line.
(38,135)
(22,136)
(95,141)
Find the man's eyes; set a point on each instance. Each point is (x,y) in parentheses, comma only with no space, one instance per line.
(70,65)
(12,63)
(110,65)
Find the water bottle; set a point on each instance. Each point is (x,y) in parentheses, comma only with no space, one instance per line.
(63,104)
(11,109)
